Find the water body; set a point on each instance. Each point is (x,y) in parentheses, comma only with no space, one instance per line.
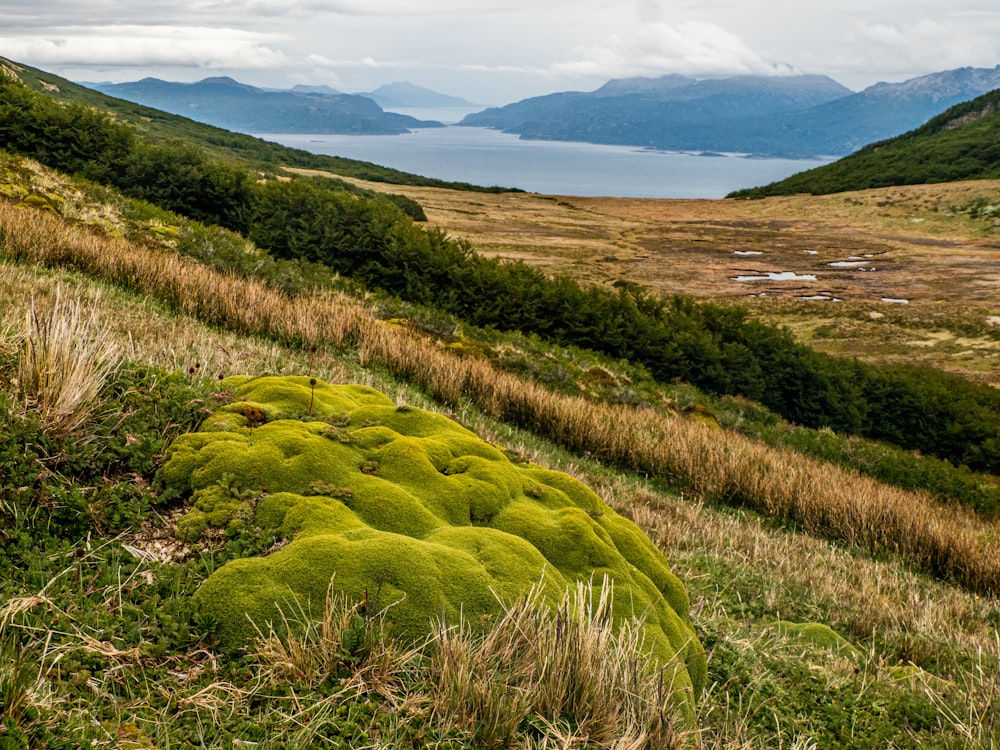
(488,157)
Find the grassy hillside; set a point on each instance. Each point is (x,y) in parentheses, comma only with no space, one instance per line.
(962,143)
(836,610)
(104,644)
(366,238)
(99,592)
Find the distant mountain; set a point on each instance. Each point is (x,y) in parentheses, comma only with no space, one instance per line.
(406,95)
(794,116)
(322,89)
(229,104)
(879,112)
(672,112)
(963,143)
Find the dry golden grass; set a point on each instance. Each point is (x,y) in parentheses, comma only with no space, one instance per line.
(718,466)
(64,360)
(532,663)
(344,642)
(571,662)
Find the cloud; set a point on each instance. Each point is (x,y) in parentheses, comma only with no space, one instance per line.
(370,63)
(146,45)
(657,48)
(939,44)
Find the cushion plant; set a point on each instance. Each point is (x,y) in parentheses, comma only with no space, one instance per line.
(371,495)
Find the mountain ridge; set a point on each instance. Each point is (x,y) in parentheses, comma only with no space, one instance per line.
(791,116)
(407,95)
(961,143)
(224,102)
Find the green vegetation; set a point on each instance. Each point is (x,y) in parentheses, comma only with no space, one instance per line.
(157,126)
(959,144)
(834,611)
(405,502)
(717,349)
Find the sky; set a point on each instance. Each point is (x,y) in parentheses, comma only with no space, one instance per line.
(493,52)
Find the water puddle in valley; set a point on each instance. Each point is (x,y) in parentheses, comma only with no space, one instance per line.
(776,276)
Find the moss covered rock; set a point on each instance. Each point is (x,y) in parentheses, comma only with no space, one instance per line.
(372,494)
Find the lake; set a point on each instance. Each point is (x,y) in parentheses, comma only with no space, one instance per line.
(488,157)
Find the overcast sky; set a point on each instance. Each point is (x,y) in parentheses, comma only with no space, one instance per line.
(496,51)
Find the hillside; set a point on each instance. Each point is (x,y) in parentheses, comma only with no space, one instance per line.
(962,143)
(246,401)
(797,117)
(92,651)
(366,238)
(231,105)
(157,125)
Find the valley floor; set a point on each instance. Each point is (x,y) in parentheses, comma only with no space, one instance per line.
(906,274)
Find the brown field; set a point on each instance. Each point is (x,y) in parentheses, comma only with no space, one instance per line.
(918,244)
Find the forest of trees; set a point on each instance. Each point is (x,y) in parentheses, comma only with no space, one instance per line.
(374,241)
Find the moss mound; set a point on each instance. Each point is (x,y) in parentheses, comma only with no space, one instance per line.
(370,494)
(818,634)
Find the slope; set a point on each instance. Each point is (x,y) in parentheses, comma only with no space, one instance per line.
(98,627)
(962,143)
(157,125)
(717,349)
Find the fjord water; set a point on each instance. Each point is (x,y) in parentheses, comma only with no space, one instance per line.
(488,157)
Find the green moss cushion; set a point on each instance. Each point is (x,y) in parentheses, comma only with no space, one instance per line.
(818,634)
(368,492)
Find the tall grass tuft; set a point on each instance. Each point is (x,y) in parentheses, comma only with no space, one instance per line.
(566,678)
(348,645)
(26,695)
(979,724)
(64,361)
